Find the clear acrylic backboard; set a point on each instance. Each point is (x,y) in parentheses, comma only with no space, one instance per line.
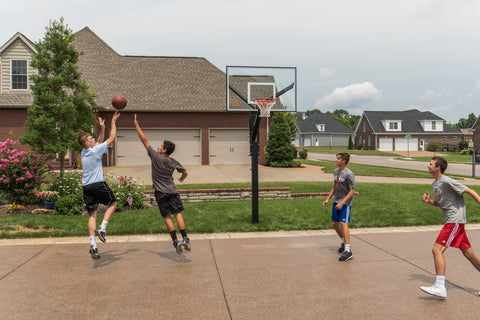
(244,84)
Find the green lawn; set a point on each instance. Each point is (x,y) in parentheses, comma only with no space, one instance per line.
(377,205)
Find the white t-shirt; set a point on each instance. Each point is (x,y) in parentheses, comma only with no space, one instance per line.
(92,163)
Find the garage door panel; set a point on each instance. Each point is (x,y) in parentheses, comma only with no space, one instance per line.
(229,146)
(131,152)
(386,144)
(403,144)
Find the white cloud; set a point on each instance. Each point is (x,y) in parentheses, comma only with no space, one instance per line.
(428,95)
(327,72)
(352,96)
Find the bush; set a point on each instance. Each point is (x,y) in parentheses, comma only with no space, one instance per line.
(463,145)
(71,183)
(70,201)
(434,146)
(303,154)
(70,204)
(124,188)
(21,172)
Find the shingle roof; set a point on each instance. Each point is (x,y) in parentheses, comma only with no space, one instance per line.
(331,125)
(150,84)
(410,120)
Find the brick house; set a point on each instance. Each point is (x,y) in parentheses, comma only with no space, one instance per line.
(182,99)
(404,130)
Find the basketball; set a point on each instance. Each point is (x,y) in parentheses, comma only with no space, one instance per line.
(119,102)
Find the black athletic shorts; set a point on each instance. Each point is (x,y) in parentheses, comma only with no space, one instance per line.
(169,203)
(96,193)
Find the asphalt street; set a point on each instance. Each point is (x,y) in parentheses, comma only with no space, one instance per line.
(453,168)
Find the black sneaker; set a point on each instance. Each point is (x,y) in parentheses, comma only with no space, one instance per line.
(186,244)
(178,246)
(342,248)
(101,234)
(94,253)
(347,255)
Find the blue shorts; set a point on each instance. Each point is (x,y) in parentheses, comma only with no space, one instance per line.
(342,215)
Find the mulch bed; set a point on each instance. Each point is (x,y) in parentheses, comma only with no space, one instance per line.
(27,210)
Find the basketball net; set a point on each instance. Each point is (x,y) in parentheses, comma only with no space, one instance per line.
(265,105)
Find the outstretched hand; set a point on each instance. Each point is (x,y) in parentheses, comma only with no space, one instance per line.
(101,122)
(115,116)
(426,197)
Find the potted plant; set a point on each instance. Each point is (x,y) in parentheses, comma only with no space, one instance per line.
(49,198)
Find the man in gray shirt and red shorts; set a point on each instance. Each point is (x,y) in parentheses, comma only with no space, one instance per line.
(449,197)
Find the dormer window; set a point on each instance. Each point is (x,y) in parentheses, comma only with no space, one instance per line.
(432,125)
(320,127)
(19,75)
(392,125)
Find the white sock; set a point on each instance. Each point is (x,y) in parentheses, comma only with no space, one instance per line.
(104,225)
(347,247)
(440,280)
(93,242)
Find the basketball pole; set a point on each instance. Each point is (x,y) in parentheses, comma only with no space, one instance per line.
(254,152)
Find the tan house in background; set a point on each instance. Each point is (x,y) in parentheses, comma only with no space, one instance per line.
(177,98)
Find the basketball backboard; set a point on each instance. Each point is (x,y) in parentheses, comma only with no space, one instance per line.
(244,84)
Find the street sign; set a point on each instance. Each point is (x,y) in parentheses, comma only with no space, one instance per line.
(408,136)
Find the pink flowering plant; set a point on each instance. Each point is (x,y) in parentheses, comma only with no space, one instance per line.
(127,192)
(47,195)
(20,172)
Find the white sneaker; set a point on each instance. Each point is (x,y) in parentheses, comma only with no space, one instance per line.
(435,290)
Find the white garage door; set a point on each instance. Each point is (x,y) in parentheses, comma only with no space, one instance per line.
(386,144)
(229,146)
(402,144)
(131,152)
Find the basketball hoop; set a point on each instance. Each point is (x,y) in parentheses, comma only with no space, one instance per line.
(265,105)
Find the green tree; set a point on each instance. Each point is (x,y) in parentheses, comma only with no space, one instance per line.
(466,123)
(279,149)
(350,142)
(62,104)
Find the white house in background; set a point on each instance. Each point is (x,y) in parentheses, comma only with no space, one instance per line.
(321,130)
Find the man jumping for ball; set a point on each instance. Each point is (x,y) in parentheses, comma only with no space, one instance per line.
(166,194)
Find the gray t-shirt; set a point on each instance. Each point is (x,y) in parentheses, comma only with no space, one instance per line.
(162,171)
(343,181)
(449,196)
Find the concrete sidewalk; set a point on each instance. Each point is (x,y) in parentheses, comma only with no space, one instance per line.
(284,275)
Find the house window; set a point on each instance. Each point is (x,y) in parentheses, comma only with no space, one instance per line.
(434,125)
(320,127)
(19,74)
(393,126)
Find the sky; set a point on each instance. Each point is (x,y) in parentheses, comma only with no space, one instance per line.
(357,55)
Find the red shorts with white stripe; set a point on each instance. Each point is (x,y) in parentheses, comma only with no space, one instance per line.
(453,235)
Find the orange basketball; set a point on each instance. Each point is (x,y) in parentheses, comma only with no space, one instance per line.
(119,102)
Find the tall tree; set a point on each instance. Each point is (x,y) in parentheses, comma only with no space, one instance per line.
(62,103)
(280,149)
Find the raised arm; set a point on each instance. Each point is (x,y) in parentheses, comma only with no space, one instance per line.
(101,135)
(140,133)
(113,129)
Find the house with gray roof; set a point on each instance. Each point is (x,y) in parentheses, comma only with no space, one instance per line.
(182,99)
(321,130)
(409,130)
